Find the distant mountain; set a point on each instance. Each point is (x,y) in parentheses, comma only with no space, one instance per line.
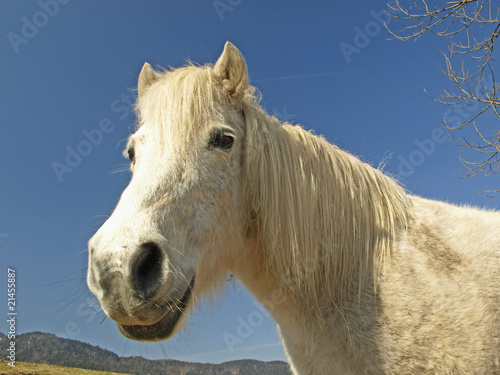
(38,347)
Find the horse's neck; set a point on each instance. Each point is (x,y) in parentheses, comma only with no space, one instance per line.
(305,328)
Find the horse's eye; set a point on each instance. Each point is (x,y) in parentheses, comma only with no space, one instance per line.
(131,154)
(221,141)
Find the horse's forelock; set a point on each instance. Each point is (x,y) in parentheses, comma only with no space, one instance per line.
(179,103)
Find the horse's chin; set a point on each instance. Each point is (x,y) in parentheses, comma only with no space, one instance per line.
(166,327)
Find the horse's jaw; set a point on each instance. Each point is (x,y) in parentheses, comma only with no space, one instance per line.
(167,326)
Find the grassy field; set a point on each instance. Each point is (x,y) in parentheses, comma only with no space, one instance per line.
(23,368)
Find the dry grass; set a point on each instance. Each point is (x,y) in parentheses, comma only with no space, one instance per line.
(23,368)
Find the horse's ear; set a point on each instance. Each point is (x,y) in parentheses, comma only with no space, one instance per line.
(146,77)
(231,70)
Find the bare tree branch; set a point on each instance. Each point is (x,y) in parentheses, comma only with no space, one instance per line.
(470,28)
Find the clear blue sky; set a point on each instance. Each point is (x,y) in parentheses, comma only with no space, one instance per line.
(66,69)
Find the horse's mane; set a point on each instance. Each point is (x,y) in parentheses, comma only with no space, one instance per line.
(321,217)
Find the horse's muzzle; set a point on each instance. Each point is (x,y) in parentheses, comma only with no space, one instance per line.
(137,288)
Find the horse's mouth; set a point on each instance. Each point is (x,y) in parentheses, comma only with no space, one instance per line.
(162,329)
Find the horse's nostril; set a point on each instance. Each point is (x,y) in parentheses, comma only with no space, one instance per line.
(146,270)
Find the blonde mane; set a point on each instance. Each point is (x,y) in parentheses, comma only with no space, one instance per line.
(324,218)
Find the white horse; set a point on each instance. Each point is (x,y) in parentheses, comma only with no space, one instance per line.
(360,277)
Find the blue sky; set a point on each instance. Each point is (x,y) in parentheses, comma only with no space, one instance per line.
(68,69)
